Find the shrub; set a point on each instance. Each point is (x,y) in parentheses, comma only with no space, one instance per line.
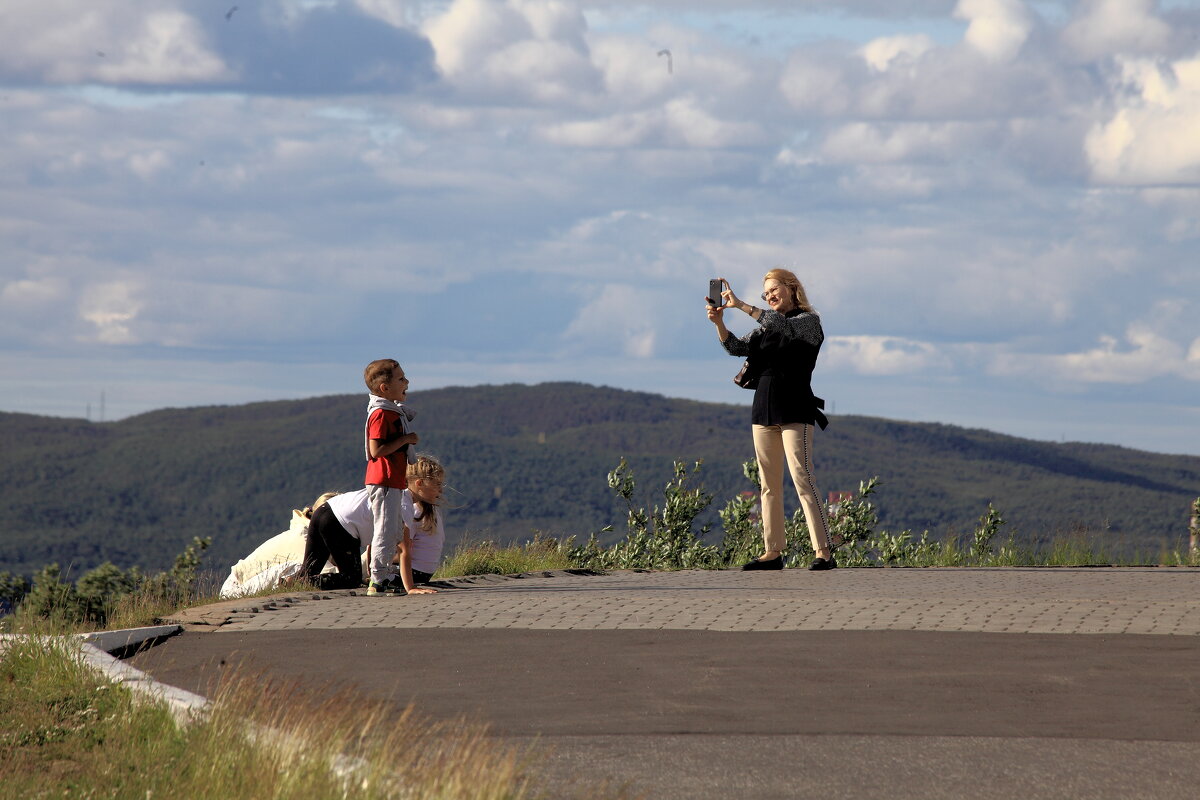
(101,593)
(661,538)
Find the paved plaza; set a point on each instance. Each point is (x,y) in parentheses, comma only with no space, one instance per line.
(992,600)
(897,683)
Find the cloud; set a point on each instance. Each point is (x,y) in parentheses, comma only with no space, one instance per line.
(111,307)
(1147,356)
(274,47)
(57,41)
(619,317)
(535,50)
(997,29)
(1149,350)
(869,143)
(323,49)
(1110,27)
(910,76)
(681,122)
(882,355)
(1152,137)
(887,51)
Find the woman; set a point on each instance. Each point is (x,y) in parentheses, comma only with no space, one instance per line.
(276,560)
(783,350)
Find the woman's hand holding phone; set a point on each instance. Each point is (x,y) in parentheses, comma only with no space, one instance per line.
(716,302)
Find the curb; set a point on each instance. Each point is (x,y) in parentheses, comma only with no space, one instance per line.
(98,651)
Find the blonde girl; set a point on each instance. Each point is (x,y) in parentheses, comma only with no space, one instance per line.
(420,550)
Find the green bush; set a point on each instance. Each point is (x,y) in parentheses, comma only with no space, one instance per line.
(661,538)
(91,601)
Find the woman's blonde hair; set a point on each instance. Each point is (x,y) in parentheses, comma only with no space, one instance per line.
(428,468)
(789,279)
(320,501)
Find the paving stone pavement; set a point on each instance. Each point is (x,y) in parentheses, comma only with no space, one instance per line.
(1151,600)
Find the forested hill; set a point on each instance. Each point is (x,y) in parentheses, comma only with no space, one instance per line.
(525,458)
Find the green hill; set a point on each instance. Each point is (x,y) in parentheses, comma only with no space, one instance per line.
(525,458)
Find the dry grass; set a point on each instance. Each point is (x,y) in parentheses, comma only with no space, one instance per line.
(67,731)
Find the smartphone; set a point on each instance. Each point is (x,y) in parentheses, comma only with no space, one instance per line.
(714,292)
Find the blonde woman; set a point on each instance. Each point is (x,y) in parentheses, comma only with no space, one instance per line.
(783,351)
(277,560)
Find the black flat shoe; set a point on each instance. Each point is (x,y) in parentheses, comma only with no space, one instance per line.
(771,563)
(821,563)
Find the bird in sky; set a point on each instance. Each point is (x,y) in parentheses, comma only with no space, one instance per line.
(670,66)
(229,13)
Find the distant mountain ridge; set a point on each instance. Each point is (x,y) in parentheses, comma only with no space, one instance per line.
(523,458)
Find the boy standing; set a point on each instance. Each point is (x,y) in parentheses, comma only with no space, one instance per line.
(388,452)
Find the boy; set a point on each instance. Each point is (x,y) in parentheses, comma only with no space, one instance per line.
(388,454)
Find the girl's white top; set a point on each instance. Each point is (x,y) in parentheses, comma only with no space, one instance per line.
(426,547)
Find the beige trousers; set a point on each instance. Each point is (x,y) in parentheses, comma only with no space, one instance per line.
(773,444)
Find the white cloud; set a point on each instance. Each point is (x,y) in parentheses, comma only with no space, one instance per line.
(59,41)
(690,124)
(682,122)
(21,294)
(1144,354)
(869,142)
(111,308)
(148,164)
(620,317)
(888,181)
(997,29)
(1152,138)
(397,13)
(632,69)
(524,48)
(888,51)
(1110,27)
(618,130)
(1179,208)
(911,76)
(818,84)
(882,355)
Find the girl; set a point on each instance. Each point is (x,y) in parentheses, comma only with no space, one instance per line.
(420,549)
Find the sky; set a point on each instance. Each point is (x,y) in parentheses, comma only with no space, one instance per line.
(993,204)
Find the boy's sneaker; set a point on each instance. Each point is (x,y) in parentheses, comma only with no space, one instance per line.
(392,587)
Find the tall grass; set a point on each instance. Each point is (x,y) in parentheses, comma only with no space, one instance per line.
(67,731)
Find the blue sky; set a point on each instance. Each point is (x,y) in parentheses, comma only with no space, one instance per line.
(994,204)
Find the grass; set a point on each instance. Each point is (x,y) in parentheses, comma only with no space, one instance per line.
(489,558)
(66,731)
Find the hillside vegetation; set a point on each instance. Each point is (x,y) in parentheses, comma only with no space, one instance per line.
(532,458)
